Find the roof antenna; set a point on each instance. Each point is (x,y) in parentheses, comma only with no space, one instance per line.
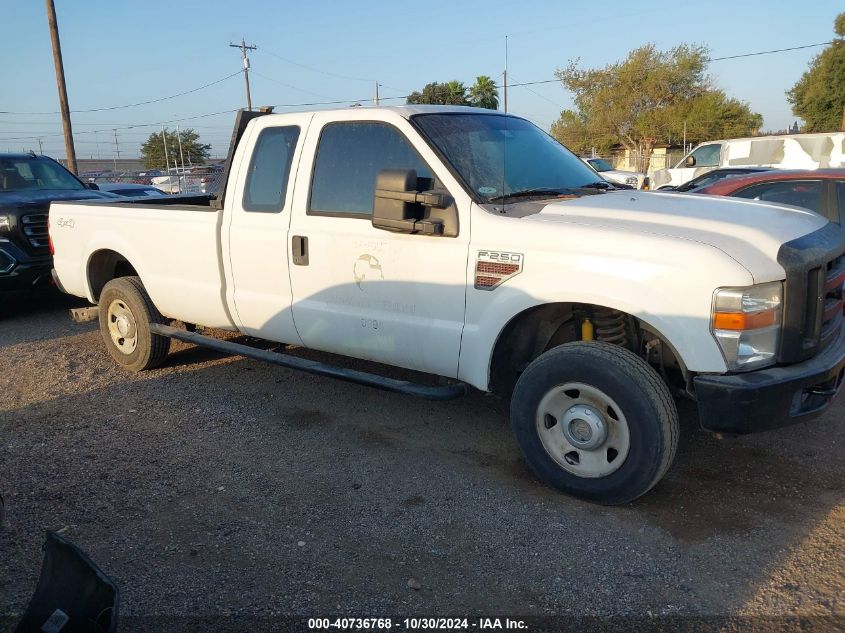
(506,74)
(505,132)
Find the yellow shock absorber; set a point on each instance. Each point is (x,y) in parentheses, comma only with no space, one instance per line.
(587,333)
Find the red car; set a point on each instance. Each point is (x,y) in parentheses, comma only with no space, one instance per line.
(820,190)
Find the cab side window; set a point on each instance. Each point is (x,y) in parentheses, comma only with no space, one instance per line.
(708,155)
(349,157)
(269,169)
(798,193)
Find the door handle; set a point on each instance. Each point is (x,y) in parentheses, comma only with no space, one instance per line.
(299,246)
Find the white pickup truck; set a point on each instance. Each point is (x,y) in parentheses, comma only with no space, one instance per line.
(470,245)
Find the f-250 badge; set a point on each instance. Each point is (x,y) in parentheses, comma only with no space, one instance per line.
(493,268)
(65,223)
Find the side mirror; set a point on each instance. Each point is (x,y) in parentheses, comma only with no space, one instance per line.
(92,185)
(399,207)
(690,161)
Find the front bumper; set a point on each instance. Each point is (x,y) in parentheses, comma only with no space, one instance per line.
(771,398)
(26,271)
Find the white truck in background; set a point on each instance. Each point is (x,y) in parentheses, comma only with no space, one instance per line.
(403,236)
(779,151)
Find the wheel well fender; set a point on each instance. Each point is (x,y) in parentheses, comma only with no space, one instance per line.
(542,327)
(103,266)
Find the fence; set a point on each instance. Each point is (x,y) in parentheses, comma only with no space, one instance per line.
(197,180)
(661,158)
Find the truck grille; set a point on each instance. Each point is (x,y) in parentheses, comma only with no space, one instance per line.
(34,229)
(832,301)
(813,293)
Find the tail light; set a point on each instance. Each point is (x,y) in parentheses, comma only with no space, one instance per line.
(50,239)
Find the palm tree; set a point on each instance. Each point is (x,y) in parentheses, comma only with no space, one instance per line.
(484,94)
(456,93)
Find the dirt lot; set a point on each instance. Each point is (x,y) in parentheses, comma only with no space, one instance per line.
(218,485)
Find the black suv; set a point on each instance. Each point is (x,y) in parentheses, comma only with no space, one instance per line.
(28,184)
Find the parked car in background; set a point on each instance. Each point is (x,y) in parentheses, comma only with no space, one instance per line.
(820,190)
(131,189)
(712,177)
(782,151)
(28,183)
(606,171)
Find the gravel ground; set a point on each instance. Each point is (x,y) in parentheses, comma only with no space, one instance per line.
(218,485)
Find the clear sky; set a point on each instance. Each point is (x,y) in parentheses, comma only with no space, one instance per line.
(118,52)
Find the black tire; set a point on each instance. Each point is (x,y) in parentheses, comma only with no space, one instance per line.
(128,294)
(645,402)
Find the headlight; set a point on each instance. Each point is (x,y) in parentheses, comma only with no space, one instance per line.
(746,323)
(632,180)
(5,223)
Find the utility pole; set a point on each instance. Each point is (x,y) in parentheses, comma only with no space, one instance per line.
(116,148)
(166,159)
(244,48)
(375,98)
(40,146)
(60,81)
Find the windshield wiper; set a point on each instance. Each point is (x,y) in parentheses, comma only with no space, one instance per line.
(599,184)
(535,192)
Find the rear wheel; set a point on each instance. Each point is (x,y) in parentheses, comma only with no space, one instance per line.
(126,312)
(596,421)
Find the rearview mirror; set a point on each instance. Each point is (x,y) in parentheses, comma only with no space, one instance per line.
(398,206)
(92,185)
(690,161)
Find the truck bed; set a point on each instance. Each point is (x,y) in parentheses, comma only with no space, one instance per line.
(173,243)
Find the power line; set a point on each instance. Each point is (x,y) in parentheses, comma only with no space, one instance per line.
(330,102)
(341,101)
(778,50)
(133,105)
(281,83)
(312,69)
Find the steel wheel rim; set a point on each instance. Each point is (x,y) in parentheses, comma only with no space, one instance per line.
(583,430)
(123,329)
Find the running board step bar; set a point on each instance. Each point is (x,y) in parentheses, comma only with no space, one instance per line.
(443,392)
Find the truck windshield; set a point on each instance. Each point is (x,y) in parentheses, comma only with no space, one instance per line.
(32,174)
(500,156)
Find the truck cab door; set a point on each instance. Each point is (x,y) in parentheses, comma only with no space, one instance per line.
(255,242)
(361,291)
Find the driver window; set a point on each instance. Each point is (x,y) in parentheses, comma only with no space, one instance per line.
(708,155)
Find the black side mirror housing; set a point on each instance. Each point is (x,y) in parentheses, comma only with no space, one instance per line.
(690,161)
(398,206)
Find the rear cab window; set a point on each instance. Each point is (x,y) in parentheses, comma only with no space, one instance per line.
(269,169)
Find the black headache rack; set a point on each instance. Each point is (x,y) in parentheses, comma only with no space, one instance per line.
(241,120)
(813,299)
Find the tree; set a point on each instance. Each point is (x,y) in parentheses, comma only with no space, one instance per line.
(646,99)
(449,93)
(818,96)
(194,152)
(484,94)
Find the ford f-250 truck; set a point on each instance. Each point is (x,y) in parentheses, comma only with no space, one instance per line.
(470,245)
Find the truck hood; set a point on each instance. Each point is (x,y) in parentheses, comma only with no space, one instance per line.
(12,199)
(749,232)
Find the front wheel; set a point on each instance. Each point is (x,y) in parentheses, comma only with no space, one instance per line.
(126,312)
(596,421)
